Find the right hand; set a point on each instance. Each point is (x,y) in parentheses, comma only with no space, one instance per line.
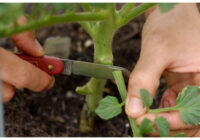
(170,45)
(15,72)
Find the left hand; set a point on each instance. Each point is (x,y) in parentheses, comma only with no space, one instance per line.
(16,72)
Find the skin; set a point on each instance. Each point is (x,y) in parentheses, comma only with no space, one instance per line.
(170,47)
(170,41)
(17,73)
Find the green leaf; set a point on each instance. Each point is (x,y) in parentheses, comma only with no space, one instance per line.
(163,126)
(108,108)
(188,103)
(164,7)
(146,126)
(179,135)
(146,98)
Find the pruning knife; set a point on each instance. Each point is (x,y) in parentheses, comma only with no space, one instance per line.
(54,66)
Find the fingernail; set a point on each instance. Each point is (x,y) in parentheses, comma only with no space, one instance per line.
(52,83)
(39,47)
(166,104)
(134,106)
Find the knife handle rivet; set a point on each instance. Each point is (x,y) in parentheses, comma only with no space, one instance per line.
(50,67)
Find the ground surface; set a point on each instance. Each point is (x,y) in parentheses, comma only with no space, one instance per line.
(56,112)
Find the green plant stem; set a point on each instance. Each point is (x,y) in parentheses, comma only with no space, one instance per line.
(134,12)
(94,89)
(156,111)
(134,127)
(86,7)
(126,8)
(94,92)
(87,26)
(123,93)
(70,17)
(120,84)
(102,34)
(102,49)
(122,103)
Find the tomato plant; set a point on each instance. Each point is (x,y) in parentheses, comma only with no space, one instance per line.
(101,21)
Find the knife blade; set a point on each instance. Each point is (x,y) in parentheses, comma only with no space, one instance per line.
(54,66)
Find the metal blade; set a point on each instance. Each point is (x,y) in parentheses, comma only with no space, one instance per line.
(91,69)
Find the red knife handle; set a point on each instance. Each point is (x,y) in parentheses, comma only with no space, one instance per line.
(50,65)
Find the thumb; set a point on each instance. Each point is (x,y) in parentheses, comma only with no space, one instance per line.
(145,75)
(26,41)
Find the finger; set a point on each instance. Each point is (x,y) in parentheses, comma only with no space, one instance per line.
(197,134)
(168,98)
(188,132)
(173,118)
(27,42)
(22,74)
(147,76)
(177,81)
(7,92)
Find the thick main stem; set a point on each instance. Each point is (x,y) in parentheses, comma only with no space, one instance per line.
(94,89)
(102,33)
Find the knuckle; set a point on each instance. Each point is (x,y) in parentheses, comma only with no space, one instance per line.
(44,83)
(7,92)
(50,83)
(142,80)
(8,96)
(43,86)
(137,79)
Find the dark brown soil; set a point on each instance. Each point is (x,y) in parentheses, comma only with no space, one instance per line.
(56,112)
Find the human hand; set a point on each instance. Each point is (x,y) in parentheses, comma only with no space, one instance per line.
(170,45)
(16,72)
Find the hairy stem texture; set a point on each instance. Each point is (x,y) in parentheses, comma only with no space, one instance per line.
(50,20)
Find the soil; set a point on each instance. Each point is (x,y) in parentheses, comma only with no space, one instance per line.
(56,112)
